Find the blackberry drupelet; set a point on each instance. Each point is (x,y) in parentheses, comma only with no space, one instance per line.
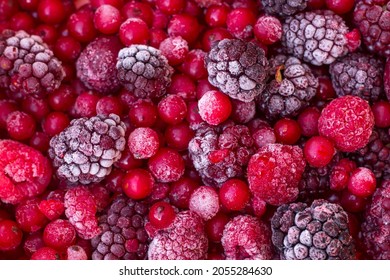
(283,8)
(291,90)
(123,234)
(144,71)
(318,37)
(312,233)
(27,65)
(222,152)
(238,68)
(358,74)
(86,150)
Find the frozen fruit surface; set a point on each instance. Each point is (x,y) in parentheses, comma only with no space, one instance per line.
(283,8)
(25,172)
(247,238)
(274,173)
(348,121)
(205,202)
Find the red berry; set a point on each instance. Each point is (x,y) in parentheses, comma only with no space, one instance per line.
(62,98)
(51,11)
(6,107)
(318,151)
(45,253)
(268,30)
(194,66)
(215,226)
(76,252)
(170,7)
(205,202)
(214,107)
(362,182)
(352,203)
(178,136)
(81,26)
(59,234)
(137,183)
(22,21)
(216,15)
(109,105)
(182,85)
(54,123)
(181,191)
(29,217)
(97,3)
(172,109)
(143,142)
(10,235)
(67,48)
(161,214)
(315,4)
(143,113)
(107,19)
(166,165)
(48,33)
(325,90)
(234,194)
(85,105)
(240,23)
(287,131)
(37,108)
(134,31)
(175,49)
(29,5)
(381,111)
(308,121)
(20,126)
(140,10)
(340,174)
(184,25)
(52,208)
(340,6)
(33,242)
(213,35)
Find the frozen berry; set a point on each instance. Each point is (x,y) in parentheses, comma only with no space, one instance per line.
(234,194)
(10,235)
(29,217)
(59,234)
(318,151)
(143,142)
(20,126)
(268,29)
(214,107)
(205,202)
(161,214)
(137,183)
(45,253)
(362,182)
(76,252)
(166,165)
(287,131)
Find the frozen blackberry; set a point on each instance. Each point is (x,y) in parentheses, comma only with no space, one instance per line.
(372,19)
(123,234)
(313,233)
(86,150)
(376,154)
(222,152)
(376,227)
(238,68)
(318,37)
(27,65)
(283,8)
(144,71)
(291,90)
(386,79)
(358,74)
(96,65)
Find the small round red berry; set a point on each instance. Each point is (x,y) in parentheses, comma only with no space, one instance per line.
(181,190)
(141,10)
(143,114)
(339,176)
(48,33)
(268,30)
(194,66)
(134,31)
(8,9)
(178,136)
(109,105)
(184,25)
(107,19)
(22,21)
(216,15)
(175,49)
(172,109)
(240,23)
(325,90)
(287,131)
(143,142)
(59,234)
(318,151)
(215,226)
(55,122)
(213,35)
(137,183)
(161,214)
(45,253)
(234,194)
(381,111)
(51,11)
(10,235)
(127,161)
(205,202)
(67,48)
(167,165)
(62,99)
(37,108)
(352,203)
(29,5)
(6,107)
(170,7)
(308,121)
(76,252)
(81,27)
(182,85)
(214,107)
(264,136)
(85,104)
(29,217)
(362,182)
(259,206)
(340,6)
(20,126)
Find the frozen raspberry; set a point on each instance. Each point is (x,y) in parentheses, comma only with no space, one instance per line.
(24,172)
(247,238)
(274,173)
(96,65)
(184,239)
(52,208)
(204,201)
(80,209)
(348,121)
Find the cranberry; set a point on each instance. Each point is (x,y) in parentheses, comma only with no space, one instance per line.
(51,11)
(381,111)
(59,234)
(194,65)
(214,107)
(240,23)
(107,19)
(156,37)
(113,182)
(268,30)
(340,6)
(67,48)
(22,21)
(54,123)
(40,141)
(192,9)
(48,33)
(6,107)
(178,136)
(143,142)
(62,98)
(308,121)
(339,176)
(216,15)
(10,235)
(45,253)
(134,31)
(161,214)
(170,7)
(287,131)
(143,113)
(81,26)
(29,217)
(97,3)
(174,49)
(215,226)
(109,105)
(184,25)
(137,183)
(202,87)
(259,207)
(205,202)
(212,36)
(85,105)
(264,136)
(8,9)
(160,20)
(138,10)
(183,86)
(76,252)
(352,203)
(318,151)
(362,182)
(30,5)
(33,242)
(172,109)
(20,126)
(166,165)
(325,90)
(37,108)
(234,194)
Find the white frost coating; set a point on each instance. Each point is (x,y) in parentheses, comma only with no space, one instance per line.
(205,202)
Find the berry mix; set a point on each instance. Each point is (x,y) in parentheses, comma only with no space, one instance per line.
(192,130)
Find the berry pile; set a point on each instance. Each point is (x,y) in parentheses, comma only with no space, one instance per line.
(237,129)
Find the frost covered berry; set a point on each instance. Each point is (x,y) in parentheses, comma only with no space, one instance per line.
(205,202)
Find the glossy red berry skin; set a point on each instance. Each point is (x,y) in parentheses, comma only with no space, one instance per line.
(340,6)
(20,126)
(362,182)
(181,190)
(62,98)
(183,86)
(59,234)
(81,26)
(40,141)
(234,194)
(184,25)
(22,21)
(10,235)
(85,105)
(352,203)
(29,217)
(213,35)
(51,11)
(45,253)
(308,121)
(107,19)
(216,15)
(170,7)
(325,90)
(137,183)
(172,109)
(194,66)
(318,151)
(215,226)
(381,111)
(240,22)
(161,214)
(37,108)
(340,174)
(55,122)
(268,30)
(67,48)
(48,33)
(178,136)
(287,131)
(134,31)
(214,107)
(109,105)
(143,114)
